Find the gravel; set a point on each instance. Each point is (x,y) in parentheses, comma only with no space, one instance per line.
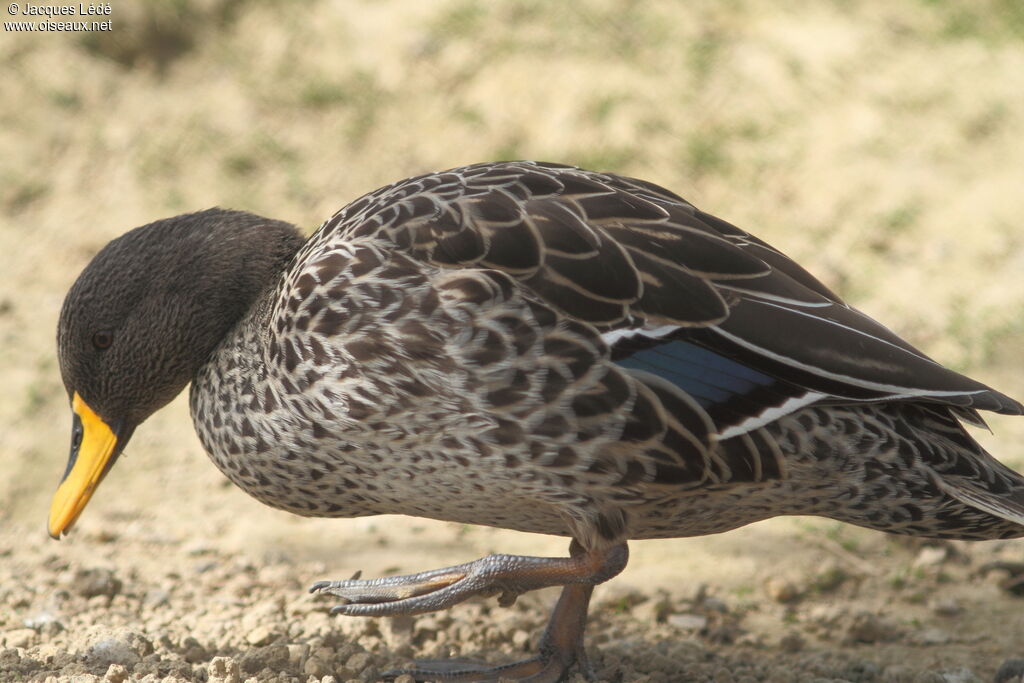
(187,614)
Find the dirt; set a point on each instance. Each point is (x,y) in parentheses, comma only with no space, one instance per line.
(133,600)
(878,143)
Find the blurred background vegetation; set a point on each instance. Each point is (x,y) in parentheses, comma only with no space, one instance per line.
(878,143)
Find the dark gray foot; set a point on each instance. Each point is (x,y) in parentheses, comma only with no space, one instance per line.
(505,575)
(561,646)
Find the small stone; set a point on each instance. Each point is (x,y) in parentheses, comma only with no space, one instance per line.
(358,661)
(45,622)
(782,591)
(653,611)
(688,622)
(713,604)
(273,657)
(323,653)
(869,628)
(898,673)
(405,678)
(947,608)
(297,653)
(860,670)
(314,666)
(792,642)
(105,536)
(261,635)
(961,675)
(90,583)
(113,651)
(520,639)
(932,636)
(19,637)
(1010,671)
(116,674)
(192,651)
(156,597)
(830,577)
(931,556)
(224,670)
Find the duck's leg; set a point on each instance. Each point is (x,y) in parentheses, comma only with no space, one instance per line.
(560,647)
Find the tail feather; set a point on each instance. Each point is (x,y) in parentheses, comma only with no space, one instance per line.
(1008,506)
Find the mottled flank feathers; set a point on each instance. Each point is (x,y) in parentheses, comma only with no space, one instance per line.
(548,349)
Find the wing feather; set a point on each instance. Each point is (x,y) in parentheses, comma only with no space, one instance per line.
(626,256)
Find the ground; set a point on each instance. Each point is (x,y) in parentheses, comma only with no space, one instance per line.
(877,143)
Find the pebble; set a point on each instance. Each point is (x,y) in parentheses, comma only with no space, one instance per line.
(19,637)
(792,642)
(157,597)
(948,607)
(961,675)
(870,628)
(297,653)
(224,670)
(898,673)
(112,651)
(932,636)
(713,604)
(931,556)
(653,611)
(358,661)
(273,657)
(830,577)
(116,674)
(261,635)
(45,622)
(688,622)
(521,639)
(314,666)
(782,591)
(90,583)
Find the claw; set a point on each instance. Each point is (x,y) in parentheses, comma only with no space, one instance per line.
(323,585)
(507,599)
(507,576)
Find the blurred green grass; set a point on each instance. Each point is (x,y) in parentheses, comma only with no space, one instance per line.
(877,143)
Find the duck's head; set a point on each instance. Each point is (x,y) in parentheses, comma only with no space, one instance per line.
(142,318)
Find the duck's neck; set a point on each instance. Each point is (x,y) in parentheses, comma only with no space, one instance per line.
(243,257)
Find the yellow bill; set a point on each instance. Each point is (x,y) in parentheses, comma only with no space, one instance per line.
(93,444)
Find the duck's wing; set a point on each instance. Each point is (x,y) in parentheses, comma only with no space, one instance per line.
(674,292)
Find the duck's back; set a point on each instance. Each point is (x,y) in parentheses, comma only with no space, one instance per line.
(548,349)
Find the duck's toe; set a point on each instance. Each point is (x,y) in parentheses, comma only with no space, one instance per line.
(559,650)
(505,575)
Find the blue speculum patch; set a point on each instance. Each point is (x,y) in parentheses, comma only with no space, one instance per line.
(708,377)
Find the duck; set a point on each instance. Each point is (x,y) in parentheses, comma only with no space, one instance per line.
(523,345)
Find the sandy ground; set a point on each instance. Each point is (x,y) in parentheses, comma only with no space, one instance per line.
(878,143)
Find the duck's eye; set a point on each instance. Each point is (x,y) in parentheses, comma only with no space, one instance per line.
(102,339)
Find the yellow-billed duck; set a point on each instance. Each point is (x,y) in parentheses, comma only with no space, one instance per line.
(529,346)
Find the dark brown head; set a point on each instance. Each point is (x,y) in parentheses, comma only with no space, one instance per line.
(143,317)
